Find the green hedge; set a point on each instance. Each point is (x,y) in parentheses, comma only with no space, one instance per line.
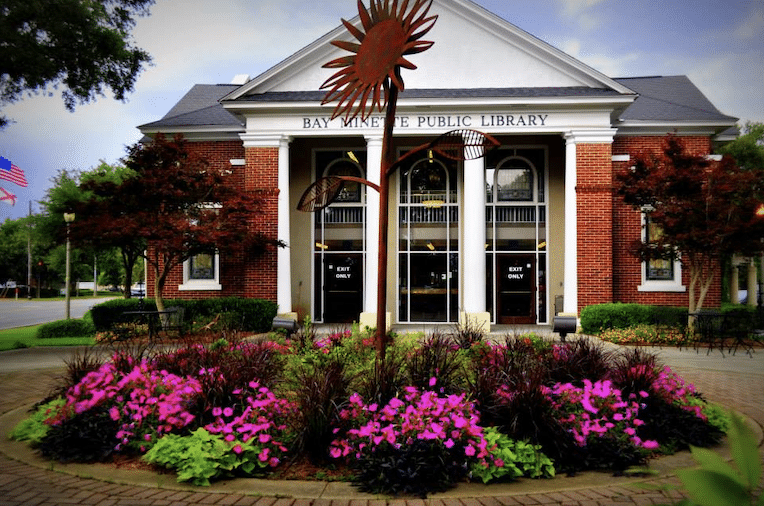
(599,317)
(66,328)
(253,315)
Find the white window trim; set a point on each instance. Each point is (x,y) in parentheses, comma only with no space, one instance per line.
(674,285)
(201,284)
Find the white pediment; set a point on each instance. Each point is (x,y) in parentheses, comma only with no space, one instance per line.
(473,49)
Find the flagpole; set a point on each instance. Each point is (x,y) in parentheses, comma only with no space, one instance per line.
(29,253)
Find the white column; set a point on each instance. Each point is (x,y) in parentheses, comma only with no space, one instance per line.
(373,164)
(570,289)
(751,282)
(473,245)
(284,270)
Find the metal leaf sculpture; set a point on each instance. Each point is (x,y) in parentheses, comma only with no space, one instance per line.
(325,190)
(456,145)
(388,34)
(463,144)
(320,194)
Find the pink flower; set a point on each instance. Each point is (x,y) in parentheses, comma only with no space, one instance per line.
(433,381)
(650,445)
(469,450)
(238,449)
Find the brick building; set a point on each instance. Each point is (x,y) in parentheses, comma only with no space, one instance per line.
(532,229)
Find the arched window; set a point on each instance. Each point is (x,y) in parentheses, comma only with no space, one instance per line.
(515,180)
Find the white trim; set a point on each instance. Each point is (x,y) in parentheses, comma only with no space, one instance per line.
(201,284)
(238,162)
(621,158)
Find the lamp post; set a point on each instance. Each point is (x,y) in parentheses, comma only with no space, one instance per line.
(760,299)
(68,218)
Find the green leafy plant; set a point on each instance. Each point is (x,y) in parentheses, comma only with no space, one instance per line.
(716,481)
(201,457)
(34,428)
(511,459)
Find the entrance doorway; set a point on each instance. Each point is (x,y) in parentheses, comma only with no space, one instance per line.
(343,289)
(516,288)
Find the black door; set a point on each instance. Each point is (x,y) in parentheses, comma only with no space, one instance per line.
(343,287)
(516,288)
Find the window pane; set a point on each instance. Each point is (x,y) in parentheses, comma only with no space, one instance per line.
(514,182)
(202,267)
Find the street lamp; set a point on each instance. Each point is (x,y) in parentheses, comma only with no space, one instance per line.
(68,218)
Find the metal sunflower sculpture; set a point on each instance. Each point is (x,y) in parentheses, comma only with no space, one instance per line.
(389,34)
(391,31)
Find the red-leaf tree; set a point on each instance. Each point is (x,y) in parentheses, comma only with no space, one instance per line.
(706,210)
(176,202)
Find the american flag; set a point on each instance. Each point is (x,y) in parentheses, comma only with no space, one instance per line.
(10,172)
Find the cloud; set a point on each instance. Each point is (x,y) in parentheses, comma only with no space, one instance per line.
(582,12)
(612,65)
(752,27)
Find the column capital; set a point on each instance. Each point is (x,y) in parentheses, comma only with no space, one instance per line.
(372,139)
(590,136)
(265,141)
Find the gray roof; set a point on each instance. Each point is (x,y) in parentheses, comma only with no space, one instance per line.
(200,107)
(670,98)
(660,99)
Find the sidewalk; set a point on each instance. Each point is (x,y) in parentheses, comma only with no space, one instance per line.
(25,479)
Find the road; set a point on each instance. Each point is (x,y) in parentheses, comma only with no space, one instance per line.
(23,313)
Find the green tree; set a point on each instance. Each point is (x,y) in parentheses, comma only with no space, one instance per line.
(748,148)
(84,45)
(706,210)
(13,251)
(68,194)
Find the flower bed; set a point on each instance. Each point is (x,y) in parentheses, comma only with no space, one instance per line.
(438,411)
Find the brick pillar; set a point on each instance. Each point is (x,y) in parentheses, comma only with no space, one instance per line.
(261,180)
(594,197)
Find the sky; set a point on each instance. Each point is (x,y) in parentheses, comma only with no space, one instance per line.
(718,45)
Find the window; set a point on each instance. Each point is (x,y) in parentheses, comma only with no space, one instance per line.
(659,275)
(201,272)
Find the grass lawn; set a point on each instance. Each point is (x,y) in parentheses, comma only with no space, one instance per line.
(24,337)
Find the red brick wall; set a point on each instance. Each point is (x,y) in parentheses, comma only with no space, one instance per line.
(261,179)
(627,228)
(595,216)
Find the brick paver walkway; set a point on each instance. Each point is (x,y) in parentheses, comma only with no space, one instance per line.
(23,484)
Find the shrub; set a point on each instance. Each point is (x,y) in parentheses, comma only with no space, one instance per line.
(243,444)
(85,437)
(66,328)
(105,314)
(419,444)
(672,412)
(578,360)
(320,391)
(603,426)
(599,317)
(436,358)
(143,405)
(224,370)
(254,315)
